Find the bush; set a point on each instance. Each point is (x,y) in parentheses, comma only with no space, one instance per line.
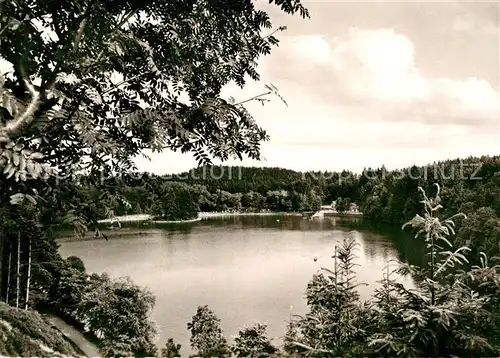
(253,342)
(26,334)
(171,350)
(207,338)
(117,312)
(76,263)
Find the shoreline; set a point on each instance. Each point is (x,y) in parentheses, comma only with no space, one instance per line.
(145,219)
(209,215)
(140,218)
(174,221)
(344,214)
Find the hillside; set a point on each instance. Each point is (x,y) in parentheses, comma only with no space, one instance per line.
(27,334)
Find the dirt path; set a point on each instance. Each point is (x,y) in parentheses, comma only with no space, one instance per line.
(74,335)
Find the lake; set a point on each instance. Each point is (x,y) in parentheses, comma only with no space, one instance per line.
(247,269)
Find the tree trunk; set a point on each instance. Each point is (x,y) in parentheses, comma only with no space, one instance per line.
(18,267)
(2,260)
(29,275)
(8,274)
(4,239)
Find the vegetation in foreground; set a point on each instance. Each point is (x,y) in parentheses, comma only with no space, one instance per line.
(454,310)
(27,334)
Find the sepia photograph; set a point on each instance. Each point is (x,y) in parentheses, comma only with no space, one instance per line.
(249,178)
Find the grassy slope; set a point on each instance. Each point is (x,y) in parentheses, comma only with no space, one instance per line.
(27,334)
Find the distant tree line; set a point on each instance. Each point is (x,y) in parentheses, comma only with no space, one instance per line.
(471,186)
(174,198)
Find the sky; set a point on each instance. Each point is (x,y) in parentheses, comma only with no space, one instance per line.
(374,83)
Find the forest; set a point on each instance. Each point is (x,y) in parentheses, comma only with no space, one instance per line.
(383,196)
(471,186)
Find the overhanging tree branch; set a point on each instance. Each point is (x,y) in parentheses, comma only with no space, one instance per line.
(81,28)
(122,22)
(253,98)
(14,125)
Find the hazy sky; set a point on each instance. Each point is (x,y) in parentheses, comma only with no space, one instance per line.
(372,83)
(367,84)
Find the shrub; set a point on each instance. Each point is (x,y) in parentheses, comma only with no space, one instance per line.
(171,350)
(253,342)
(207,338)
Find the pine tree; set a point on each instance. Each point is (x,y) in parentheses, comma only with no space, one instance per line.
(442,316)
(334,325)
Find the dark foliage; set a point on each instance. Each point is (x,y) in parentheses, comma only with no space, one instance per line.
(27,334)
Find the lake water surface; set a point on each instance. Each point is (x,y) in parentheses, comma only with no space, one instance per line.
(247,269)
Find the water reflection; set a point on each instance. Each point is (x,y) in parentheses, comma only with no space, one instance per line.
(247,268)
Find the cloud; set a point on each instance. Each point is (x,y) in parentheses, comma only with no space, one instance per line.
(467,24)
(477,17)
(376,70)
(361,99)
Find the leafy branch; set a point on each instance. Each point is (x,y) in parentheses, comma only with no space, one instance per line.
(14,125)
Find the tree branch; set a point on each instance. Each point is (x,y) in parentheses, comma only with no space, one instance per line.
(57,29)
(79,34)
(120,24)
(281,28)
(4,28)
(253,98)
(81,27)
(14,125)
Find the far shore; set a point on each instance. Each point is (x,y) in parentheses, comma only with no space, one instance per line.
(208,215)
(138,218)
(174,221)
(112,231)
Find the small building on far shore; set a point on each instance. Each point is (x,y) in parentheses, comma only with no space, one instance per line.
(353,208)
